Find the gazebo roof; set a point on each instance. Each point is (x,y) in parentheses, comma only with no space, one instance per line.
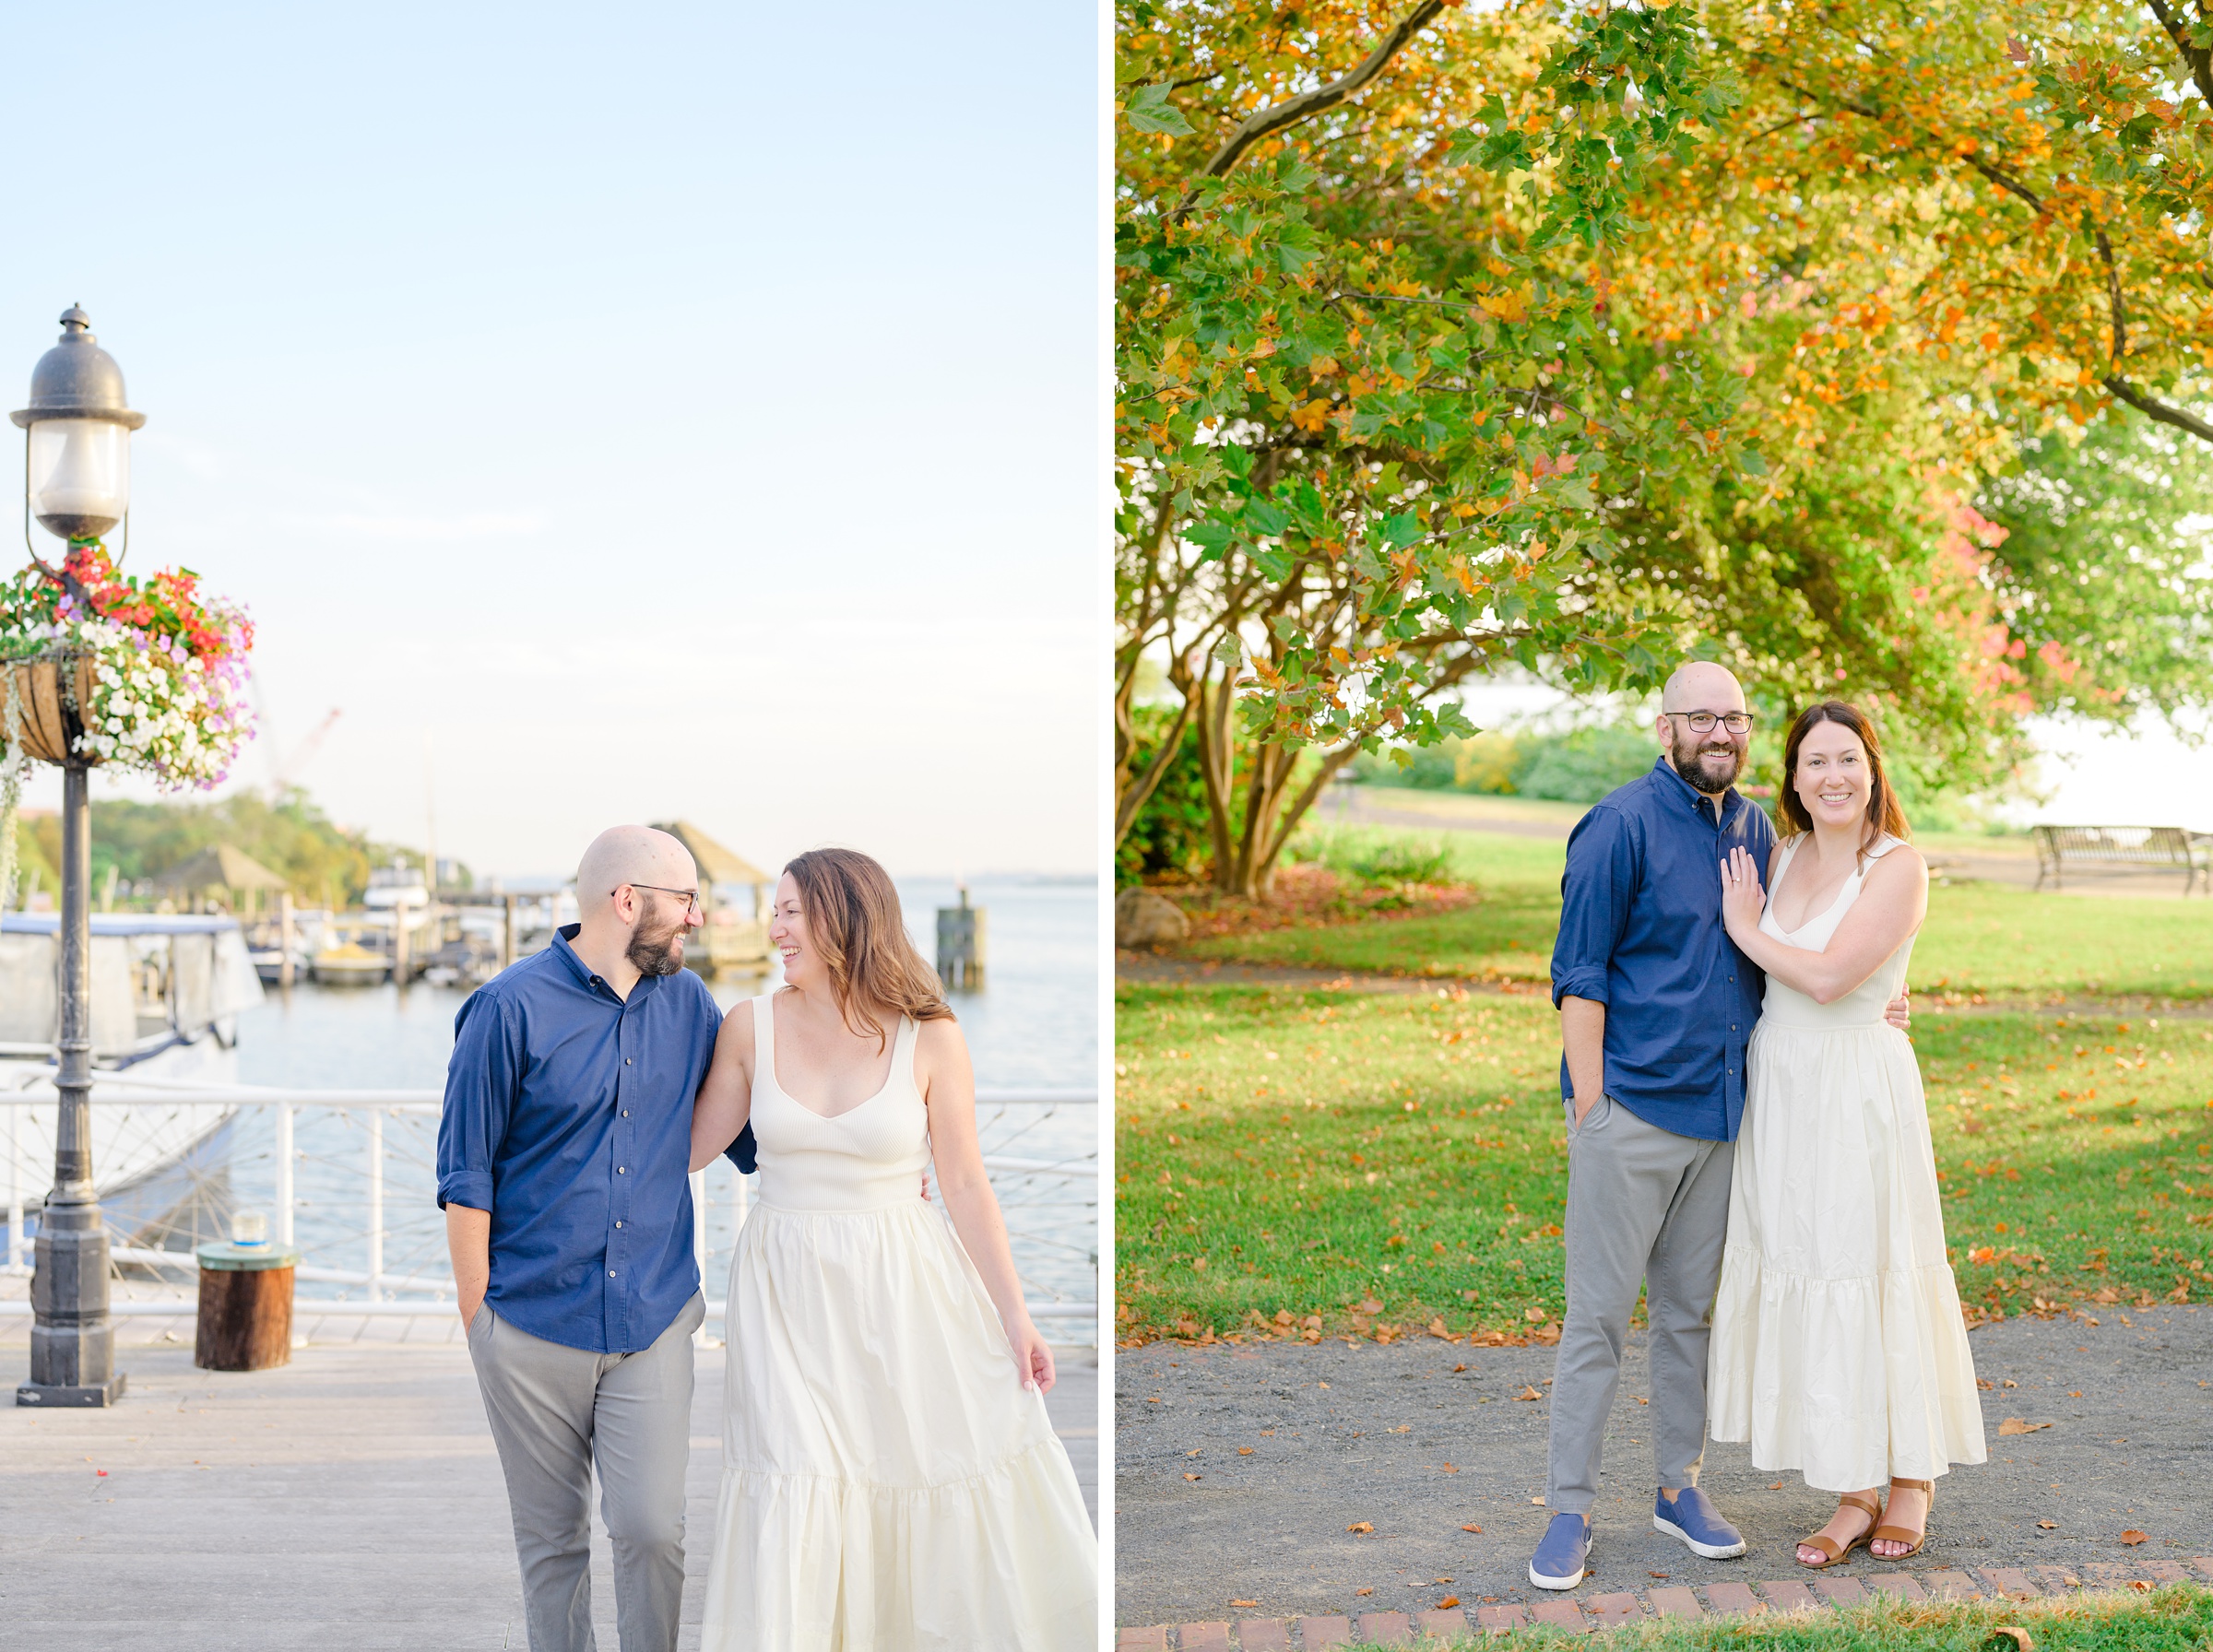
(220,867)
(716,864)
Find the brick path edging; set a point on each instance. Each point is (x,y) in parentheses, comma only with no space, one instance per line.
(1601,1611)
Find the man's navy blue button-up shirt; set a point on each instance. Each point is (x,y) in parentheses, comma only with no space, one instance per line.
(1640,932)
(568,1115)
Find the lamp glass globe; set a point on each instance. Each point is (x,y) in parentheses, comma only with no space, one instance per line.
(80,475)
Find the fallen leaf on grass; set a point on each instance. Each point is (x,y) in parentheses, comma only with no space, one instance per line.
(2138,1583)
(1476,1529)
(2047,1525)
(2011,1636)
(1534,1316)
(2020,1425)
(1528,1393)
(1368,1526)
(2132,1537)
(1448,1602)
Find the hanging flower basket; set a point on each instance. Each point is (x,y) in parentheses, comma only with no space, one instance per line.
(156,682)
(45,703)
(146,676)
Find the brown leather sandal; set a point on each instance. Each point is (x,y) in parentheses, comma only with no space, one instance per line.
(1828,1546)
(1899,1534)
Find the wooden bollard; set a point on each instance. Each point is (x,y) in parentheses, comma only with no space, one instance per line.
(961,945)
(245,1307)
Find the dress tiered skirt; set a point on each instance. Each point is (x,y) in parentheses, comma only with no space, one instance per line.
(888,1485)
(1839,1350)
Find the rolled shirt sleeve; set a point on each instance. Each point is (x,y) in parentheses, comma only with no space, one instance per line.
(481,1082)
(1596,892)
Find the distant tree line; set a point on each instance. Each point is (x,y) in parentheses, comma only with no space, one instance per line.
(326,864)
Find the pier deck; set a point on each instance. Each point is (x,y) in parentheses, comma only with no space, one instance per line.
(351,1500)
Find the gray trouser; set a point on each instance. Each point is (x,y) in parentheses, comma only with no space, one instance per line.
(555,1411)
(1643,1204)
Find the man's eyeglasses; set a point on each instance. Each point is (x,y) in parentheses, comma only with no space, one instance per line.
(1703,722)
(690,895)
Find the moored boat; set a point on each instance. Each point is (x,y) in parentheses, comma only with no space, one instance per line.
(167,992)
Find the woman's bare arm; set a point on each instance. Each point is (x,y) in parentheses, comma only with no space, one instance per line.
(1891,905)
(725,1095)
(948,1084)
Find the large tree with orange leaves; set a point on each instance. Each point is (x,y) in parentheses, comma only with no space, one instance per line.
(1451,338)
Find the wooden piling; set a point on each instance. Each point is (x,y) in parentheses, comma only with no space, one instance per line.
(285,934)
(961,945)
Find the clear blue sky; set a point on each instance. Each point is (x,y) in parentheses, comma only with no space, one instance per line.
(664,410)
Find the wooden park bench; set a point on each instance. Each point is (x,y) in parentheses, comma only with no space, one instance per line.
(2124,850)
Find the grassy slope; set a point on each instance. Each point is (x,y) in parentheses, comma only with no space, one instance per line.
(1990,938)
(1307,1153)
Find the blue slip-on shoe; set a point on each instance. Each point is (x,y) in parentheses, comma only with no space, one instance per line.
(1563,1556)
(1693,1517)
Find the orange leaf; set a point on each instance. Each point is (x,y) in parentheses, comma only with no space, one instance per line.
(2021,1425)
(1362,1525)
(1244,1451)
(2132,1537)
(1450,1600)
(1529,1393)
(1476,1529)
(1244,1602)
(1451,1469)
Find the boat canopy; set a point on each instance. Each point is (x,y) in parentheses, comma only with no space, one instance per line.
(156,978)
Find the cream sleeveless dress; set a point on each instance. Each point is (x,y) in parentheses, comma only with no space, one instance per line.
(888,1485)
(1838,1346)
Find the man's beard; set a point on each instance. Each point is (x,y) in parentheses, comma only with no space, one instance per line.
(661,954)
(1688,757)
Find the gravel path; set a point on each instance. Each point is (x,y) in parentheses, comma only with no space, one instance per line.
(1341,1435)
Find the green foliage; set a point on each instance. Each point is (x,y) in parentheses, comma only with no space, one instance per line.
(323,863)
(1374,860)
(2108,543)
(1170,839)
(1576,765)
(1583,764)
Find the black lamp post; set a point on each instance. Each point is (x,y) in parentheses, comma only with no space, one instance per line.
(76,481)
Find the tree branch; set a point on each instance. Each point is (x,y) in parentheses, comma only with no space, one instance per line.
(2151,407)
(1291,110)
(2201,62)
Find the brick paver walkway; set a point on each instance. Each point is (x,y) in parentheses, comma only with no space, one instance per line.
(1604,1611)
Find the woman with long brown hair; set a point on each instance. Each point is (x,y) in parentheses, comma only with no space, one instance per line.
(889,1478)
(1838,1346)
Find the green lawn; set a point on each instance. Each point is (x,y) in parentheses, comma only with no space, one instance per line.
(1372,1163)
(2177,1618)
(1981,938)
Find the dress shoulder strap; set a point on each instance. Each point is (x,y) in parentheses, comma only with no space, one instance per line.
(764,1032)
(1883,845)
(903,1047)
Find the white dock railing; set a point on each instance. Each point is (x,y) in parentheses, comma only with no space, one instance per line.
(344,1190)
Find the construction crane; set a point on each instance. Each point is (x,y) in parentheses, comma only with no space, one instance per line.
(281,773)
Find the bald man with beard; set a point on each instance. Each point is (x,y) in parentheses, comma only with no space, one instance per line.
(1656,1007)
(562,1159)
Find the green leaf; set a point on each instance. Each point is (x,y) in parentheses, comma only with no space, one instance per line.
(1147,109)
